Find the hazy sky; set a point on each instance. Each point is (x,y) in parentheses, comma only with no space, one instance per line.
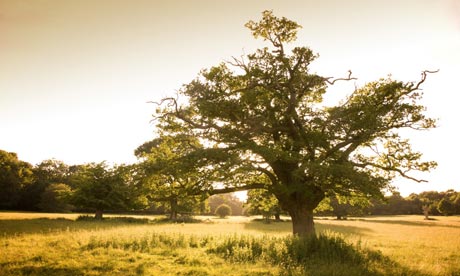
(76,75)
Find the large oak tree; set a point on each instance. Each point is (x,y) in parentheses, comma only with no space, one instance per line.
(263,124)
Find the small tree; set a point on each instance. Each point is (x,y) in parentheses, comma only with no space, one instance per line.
(101,188)
(426,211)
(231,200)
(223,211)
(167,181)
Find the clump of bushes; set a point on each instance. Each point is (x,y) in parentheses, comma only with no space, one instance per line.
(223,211)
(326,254)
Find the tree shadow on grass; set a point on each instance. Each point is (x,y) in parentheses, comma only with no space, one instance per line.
(47,225)
(43,270)
(428,223)
(343,229)
(286,226)
(275,226)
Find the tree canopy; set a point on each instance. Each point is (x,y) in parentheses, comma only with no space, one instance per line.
(101,188)
(15,175)
(263,125)
(167,178)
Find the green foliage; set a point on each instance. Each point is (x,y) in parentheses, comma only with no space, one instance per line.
(231,200)
(46,173)
(446,207)
(102,188)
(56,198)
(223,211)
(276,30)
(261,202)
(15,176)
(167,178)
(264,126)
(456,203)
(341,207)
(426,203)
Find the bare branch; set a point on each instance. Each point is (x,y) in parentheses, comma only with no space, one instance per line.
(422,80)
(340,79)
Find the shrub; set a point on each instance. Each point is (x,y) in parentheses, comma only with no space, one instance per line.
(326,254)
(223,211)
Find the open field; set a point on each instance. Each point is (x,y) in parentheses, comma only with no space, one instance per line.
(58,244)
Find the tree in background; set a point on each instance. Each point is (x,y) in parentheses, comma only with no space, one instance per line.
(223,211)
(15,176)
(230,199)
(170,182)
(456,203)
(431,200)
(262,202)
(56,198)
(101,188)
(45,173)
(446,207)
(341,207)
(426,211)
(263,125)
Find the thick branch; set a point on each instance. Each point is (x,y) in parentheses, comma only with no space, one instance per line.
(268,173)
(237,189)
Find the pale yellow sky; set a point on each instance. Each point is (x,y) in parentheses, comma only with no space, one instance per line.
(76,75)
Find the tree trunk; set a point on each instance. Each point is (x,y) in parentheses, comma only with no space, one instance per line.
(99,214)
(302,221)
(300,207)
(173,214)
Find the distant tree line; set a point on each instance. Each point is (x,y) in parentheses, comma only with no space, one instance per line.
(149,187)
(53,186)
(428,203)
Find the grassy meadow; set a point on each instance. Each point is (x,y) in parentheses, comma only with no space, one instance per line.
(62,244)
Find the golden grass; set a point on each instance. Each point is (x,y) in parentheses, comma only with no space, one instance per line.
(40,244)
(432,246)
